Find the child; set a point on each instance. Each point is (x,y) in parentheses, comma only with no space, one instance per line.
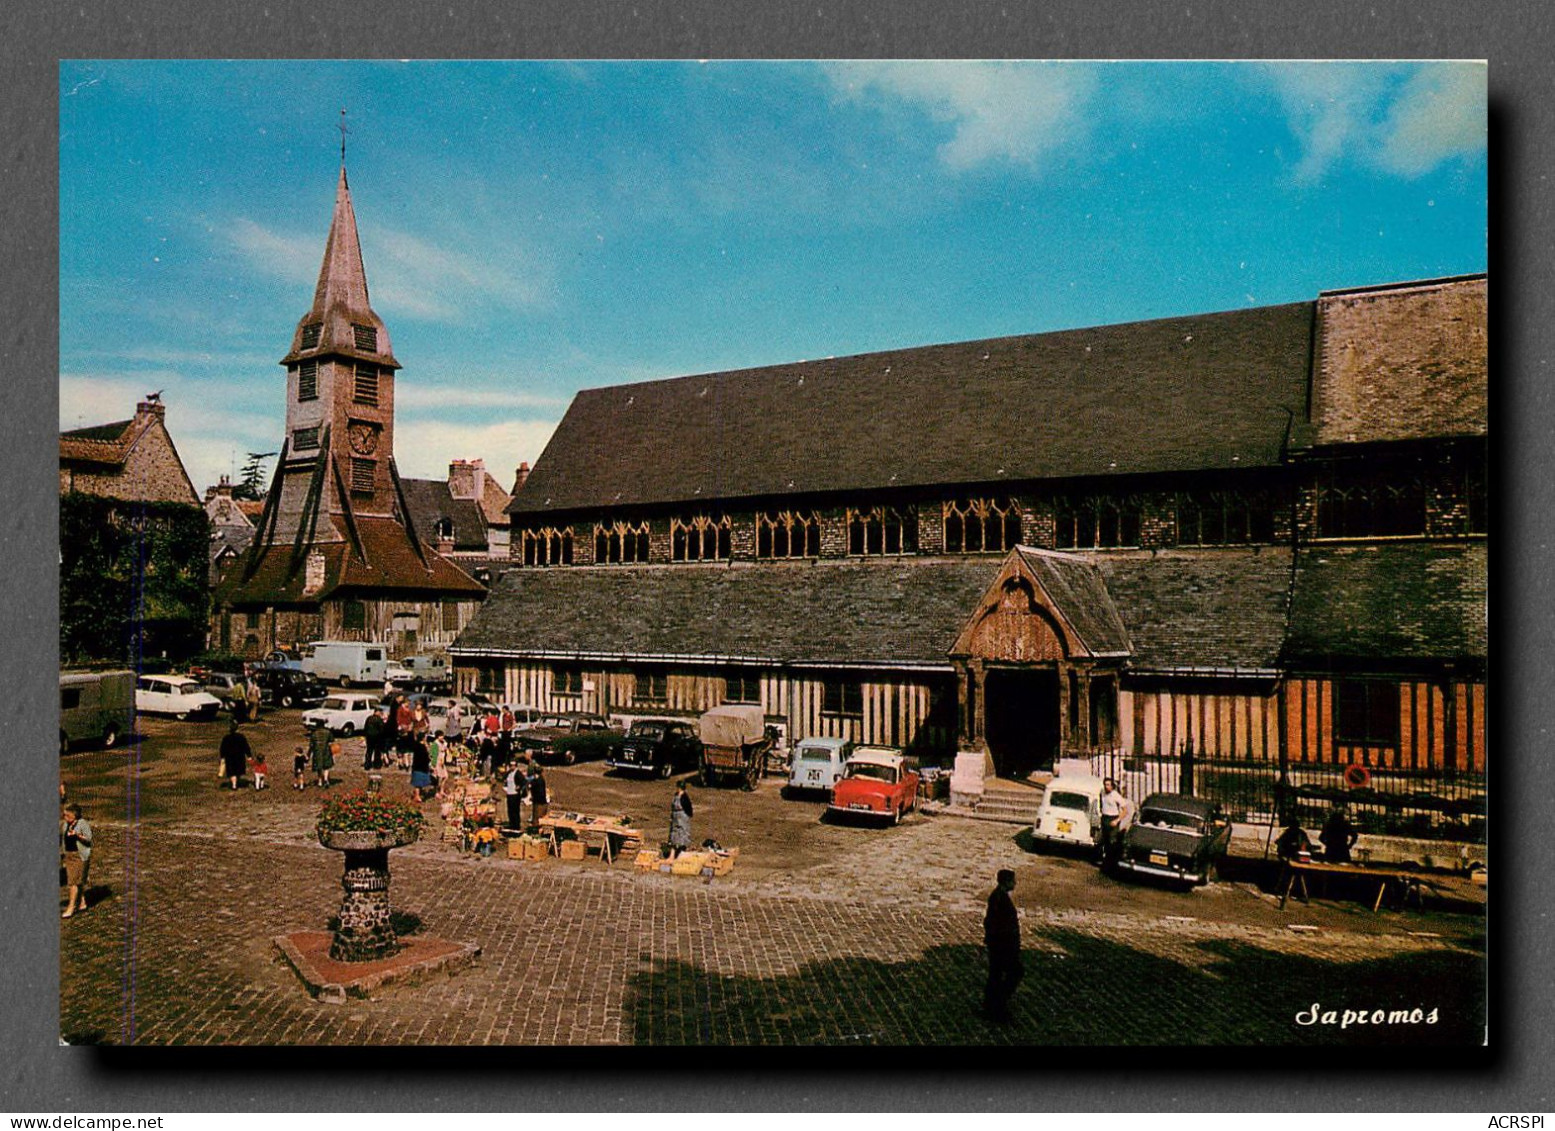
(299,767)
(261,771)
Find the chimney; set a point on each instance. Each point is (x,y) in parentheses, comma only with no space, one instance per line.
(461,479)
(521,478)
(152,406)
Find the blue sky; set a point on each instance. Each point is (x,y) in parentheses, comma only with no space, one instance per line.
(530,229)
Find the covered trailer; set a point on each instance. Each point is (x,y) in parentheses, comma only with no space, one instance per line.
(734,744)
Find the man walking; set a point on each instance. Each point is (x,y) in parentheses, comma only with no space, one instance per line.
(1001,935)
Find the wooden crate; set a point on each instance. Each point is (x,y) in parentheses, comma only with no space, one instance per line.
(689,864)
(570,850)
(647,860)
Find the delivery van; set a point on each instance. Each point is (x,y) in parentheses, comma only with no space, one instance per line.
(95,707)
(347,661)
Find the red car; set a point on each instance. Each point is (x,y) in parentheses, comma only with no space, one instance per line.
(875,783)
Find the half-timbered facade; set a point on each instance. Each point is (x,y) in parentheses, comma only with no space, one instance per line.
(1217,552)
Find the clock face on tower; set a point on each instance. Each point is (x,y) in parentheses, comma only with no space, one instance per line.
(363,437)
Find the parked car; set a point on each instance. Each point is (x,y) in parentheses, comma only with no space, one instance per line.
(1070,813)
(571,738)
(817,764)
(226,686)
(175,695)
(658,746)
(290,687)
(398,674)
(875,782)
(95,705)
(343,712)
(1175,836)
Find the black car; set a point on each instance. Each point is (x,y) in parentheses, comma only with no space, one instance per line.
(658,746)
(1176,837)
(288,687)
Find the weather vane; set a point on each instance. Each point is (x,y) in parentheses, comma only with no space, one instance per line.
(343,132)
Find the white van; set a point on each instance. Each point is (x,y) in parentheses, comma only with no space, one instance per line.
(99,706)
(347,661)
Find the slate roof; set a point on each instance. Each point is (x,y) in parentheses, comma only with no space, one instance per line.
(905,612)
(1202,392)
(1401,362)
(1208,609)
(430,500)
(1077,588)
(392,565)
(1383,601)
(100,443)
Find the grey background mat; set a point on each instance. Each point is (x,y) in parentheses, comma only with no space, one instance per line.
(1513,1075)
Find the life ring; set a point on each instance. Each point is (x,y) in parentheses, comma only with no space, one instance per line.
(1357,776)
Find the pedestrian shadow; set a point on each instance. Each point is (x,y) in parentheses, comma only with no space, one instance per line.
(1079,991)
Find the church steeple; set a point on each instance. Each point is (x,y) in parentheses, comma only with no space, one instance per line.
(341,321)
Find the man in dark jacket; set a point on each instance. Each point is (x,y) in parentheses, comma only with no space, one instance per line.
(1001,934)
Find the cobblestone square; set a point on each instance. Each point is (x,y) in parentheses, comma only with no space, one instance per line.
(822,934)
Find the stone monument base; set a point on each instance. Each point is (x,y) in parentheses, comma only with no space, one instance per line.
(332,981)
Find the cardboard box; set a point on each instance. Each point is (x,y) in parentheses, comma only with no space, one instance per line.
(722,865)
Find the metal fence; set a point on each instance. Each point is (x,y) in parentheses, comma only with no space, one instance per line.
(1425,804)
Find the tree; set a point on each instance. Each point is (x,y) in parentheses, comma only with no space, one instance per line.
(252,485)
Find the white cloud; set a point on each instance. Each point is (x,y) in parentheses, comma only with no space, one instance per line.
(1440,114)
(424,448)
(1364,114)
(290,257)
(1018,112)
(407,275)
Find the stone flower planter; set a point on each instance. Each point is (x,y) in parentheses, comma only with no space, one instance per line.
(365,932)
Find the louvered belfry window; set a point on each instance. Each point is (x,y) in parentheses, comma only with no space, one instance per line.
(366,391)
(308,381)
(362,471)
(305,439)
(366,337)
(310,335)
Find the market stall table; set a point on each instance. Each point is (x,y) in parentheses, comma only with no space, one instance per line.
(1297,871)
(609,834)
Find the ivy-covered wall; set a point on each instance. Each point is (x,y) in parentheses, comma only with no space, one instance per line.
(132,579)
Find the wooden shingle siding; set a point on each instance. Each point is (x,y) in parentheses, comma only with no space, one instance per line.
(896,711)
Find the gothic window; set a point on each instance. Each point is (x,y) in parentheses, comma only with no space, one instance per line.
(1096,522)
(566,681)
(1366,712)
(650,687)
(621,542)
(353,616)
(306,440)
(1370,509)
(310,335)
(366,387)
(788,534)
(308,381)
(1218,518)
(974,526)
(450,616)
(365,337)
(548,546)
(362,471)
(842,697)
(883,530)
(700,538)
(742,687)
